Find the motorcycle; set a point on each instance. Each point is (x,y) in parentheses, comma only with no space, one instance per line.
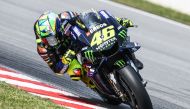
(106,57)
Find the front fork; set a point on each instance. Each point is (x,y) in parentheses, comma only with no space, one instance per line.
(113,80)
(131,63)
(116,86)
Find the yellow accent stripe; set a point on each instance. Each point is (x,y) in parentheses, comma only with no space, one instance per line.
(75,78)
(38,40)
(118,19)
(80,24)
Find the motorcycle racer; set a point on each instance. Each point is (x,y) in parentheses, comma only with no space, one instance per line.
(54,43)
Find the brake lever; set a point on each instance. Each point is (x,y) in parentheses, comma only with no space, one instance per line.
(135,26)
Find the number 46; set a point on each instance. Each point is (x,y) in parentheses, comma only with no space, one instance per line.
(103,35)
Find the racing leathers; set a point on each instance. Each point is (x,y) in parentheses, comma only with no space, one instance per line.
(62,58)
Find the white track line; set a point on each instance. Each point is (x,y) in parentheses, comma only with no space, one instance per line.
(49,98)
(34,86)
(73,102)
(18,75)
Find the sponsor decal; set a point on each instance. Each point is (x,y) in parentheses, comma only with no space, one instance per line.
(119,27)
(103,35)
(66,29)
(97,27)
(106,44)
(104,14)
(89,54)
(122,34)
(120,63)
(76,30)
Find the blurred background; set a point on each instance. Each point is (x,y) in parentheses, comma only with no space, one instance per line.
(179,5)
(164,51)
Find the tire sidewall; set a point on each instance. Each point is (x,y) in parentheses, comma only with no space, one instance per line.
(129,76)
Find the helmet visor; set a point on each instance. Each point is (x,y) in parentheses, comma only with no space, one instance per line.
(52,41)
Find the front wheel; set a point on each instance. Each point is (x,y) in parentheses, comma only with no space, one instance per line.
(138,97)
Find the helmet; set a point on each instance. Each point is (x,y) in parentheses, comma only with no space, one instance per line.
(46,27)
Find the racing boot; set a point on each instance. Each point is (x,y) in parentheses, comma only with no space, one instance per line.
(81,75)
(76,72)
(88,72)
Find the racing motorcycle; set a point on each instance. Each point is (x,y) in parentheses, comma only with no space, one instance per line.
(106,56)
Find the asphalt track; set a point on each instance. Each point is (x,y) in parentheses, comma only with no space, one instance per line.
(165,51)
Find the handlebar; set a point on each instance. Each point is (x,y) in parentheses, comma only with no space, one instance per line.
(135,26)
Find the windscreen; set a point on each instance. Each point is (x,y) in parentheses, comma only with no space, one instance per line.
(90,19)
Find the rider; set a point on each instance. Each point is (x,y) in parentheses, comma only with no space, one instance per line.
(54,43)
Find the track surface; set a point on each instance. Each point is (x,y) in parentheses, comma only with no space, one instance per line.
(165,51)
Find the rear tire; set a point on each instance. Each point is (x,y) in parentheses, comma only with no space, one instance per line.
(138,96)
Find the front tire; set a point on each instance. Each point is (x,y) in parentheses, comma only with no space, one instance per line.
(138,96)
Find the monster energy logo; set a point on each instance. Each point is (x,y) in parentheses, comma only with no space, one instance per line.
(123,34)
(120,63)
(89,54)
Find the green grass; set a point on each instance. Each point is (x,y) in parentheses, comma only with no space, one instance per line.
(158,10)
(13,98)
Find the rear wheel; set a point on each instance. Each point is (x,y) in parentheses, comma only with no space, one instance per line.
(138,97)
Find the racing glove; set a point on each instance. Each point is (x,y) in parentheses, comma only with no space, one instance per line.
(125,22)
(68,57)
